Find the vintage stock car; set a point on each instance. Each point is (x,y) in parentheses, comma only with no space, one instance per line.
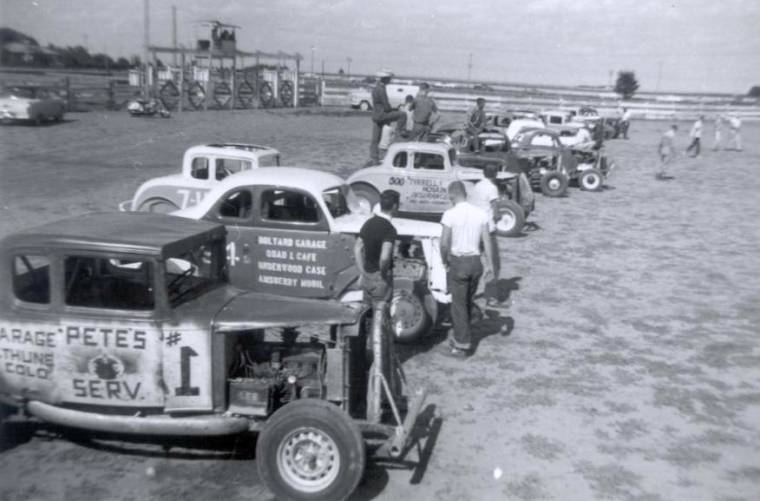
(30,103)
(126,323)
(422,172)
(292,232)
(203,167)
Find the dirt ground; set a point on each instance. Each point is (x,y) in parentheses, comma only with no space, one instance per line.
(622,361)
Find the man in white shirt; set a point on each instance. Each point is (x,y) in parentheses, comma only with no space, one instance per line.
(696,137)
(465,229)
(625,122)
(735,125)
(484,195)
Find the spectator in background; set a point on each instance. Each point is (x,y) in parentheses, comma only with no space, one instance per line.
(464,231)
(382,114)
(666,150)
(625,122)
(409,123)
(425,114)
(718,133)
(476,122)
(736,133)
(696,137)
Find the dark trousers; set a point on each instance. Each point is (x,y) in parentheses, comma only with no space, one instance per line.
(463,278)
(420,132)
(377,130)
(694,146)
(624,129)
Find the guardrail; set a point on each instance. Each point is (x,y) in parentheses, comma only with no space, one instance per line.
(460,101)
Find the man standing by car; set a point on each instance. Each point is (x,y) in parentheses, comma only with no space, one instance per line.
(425,113)
(476,122)
(382,114)
(373,253)
(485,195)
(465,229)
(625,122)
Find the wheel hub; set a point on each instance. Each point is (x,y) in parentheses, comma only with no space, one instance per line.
(506,222)
(405,312)
(309,459)
(554,184)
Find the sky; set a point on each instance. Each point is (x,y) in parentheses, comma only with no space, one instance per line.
(686,45)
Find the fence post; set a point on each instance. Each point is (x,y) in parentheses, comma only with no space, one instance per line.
(111,95)
(69,103)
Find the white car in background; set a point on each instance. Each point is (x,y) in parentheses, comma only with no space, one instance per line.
(362,98)
(30,103)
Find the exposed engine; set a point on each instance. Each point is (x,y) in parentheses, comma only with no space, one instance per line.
(264,376)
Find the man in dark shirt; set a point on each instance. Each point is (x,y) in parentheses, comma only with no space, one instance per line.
(476,122)
(382,114)
(425,114)
(373,252)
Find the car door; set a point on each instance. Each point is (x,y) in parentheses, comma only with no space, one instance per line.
(426,184)
(293,251)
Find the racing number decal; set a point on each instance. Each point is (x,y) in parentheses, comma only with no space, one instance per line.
(396,181)
(189,197)
(187,369)
(185,390)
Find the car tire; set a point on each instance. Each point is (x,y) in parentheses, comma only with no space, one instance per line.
(367,193)
(510,218)
(591,180)
(409,317)
(365,106)
(158,206)
(554,184)
(298,428)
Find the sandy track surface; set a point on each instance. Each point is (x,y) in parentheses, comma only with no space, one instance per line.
(620,361)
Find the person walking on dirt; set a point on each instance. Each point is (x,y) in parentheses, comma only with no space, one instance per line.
(382,114)
(666,150)
(485,195)
(424,114)
(718,133)
(696,137)
(736,133)
(625,122)
(464,231)
(476,122)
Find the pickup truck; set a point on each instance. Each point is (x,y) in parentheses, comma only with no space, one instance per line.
(362,98)
(126,323)
(203,166)
(422,172)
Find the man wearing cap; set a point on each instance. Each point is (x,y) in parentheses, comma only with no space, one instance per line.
(476,122)
(464,233)
(382,114)
(424,114)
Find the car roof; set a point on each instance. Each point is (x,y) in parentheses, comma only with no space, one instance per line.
(237,147)
(304,178)
(421,146)
(144,233)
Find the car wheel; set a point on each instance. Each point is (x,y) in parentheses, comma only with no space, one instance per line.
(157,205)
(310,449)
(554,184)
(409,317)
(591,180)
(510,218)
(364,106)
(367,195)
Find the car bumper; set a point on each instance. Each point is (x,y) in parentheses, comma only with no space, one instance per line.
(125,206)
(163,425)
(8,115)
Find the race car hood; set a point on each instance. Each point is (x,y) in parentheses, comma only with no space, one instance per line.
(352,223)
(255,310)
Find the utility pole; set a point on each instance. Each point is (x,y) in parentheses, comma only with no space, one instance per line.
(323,69)
(348,61)
(659,77)
(146,43)
(174,34)
(469,68)
(84,36)
(312,60)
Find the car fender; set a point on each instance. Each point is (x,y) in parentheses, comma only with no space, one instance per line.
(179,190)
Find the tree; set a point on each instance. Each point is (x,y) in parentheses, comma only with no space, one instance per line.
(754,91)
(626,84)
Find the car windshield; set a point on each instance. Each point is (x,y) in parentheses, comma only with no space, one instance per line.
(341,200)
(194,271)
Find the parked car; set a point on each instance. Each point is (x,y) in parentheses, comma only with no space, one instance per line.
(292,232)
(203,167)
(362,98)
(126,324)
(422,172)
(30,103)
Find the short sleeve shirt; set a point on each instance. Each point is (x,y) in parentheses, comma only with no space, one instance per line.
(466,222)
(482,194)
(424,107)
(374,233)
